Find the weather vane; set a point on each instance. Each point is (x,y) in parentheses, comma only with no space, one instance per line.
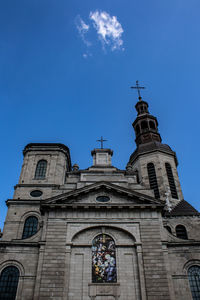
(138,89)
(101,141)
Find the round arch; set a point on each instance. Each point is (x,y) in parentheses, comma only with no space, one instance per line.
(95,230)
(14,263)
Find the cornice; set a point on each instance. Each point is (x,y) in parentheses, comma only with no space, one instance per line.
(56,186)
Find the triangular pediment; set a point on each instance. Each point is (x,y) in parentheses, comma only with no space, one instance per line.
(131,196)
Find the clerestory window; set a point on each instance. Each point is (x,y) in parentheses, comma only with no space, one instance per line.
(40,172)
(8,283)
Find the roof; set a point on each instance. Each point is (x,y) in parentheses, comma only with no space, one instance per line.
(150,147)
(183,208)
(134,196)
(45,147)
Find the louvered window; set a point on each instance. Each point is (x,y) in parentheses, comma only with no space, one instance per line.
(8,283)
(41,168)
(194,280)
(153,180)
(171,181)
(181,232)
(30,227)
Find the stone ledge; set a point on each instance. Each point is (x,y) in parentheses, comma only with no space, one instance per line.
(104,289)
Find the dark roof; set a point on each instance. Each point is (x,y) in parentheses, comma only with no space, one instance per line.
(45,146)
(150,147)
(183,208)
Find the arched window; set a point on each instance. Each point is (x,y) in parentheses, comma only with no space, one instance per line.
(30,227)
(103,259)
(144,125)
(171,181)
(152,125)
(41,168)
(181,232)
(153,179)
(137,129)
(194,280)
(8,283)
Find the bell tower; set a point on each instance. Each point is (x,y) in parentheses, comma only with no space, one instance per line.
(156,163)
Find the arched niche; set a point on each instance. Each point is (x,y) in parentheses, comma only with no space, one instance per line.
(122,259)
(87,235)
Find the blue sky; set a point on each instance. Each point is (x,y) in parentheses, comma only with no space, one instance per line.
(66,68)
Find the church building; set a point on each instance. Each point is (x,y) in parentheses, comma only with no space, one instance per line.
(101,233)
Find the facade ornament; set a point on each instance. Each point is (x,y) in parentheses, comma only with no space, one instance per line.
(75,167)
(129,169)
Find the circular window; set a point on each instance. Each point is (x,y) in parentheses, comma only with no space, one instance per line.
(36,193)
(102,199)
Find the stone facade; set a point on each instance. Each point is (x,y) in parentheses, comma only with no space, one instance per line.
(74,206)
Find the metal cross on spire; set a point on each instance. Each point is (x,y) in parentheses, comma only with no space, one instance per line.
(138,89)
(101,141)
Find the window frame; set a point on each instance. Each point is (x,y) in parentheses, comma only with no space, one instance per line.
(171,181)
(194,297)
(113,258)
(41,170)
(33,232)
(153,183)
(9,284)
(185,232)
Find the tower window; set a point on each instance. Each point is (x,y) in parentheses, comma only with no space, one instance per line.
(181,232)
(8,283)
(144,125)
(103,259)
(153,179)
(171,181)
(152,125)
(137,129)
(41,168)
(30,227)
(194,280)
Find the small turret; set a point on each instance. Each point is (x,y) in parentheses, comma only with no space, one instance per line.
(145,125)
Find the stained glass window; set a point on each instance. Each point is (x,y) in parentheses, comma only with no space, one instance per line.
(8,283)
(103,259)
(41,168)
(30,227)
(194,280)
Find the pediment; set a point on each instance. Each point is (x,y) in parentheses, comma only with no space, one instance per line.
(82,195)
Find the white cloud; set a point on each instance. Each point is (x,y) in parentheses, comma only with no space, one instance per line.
(108,29)
(82,28)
